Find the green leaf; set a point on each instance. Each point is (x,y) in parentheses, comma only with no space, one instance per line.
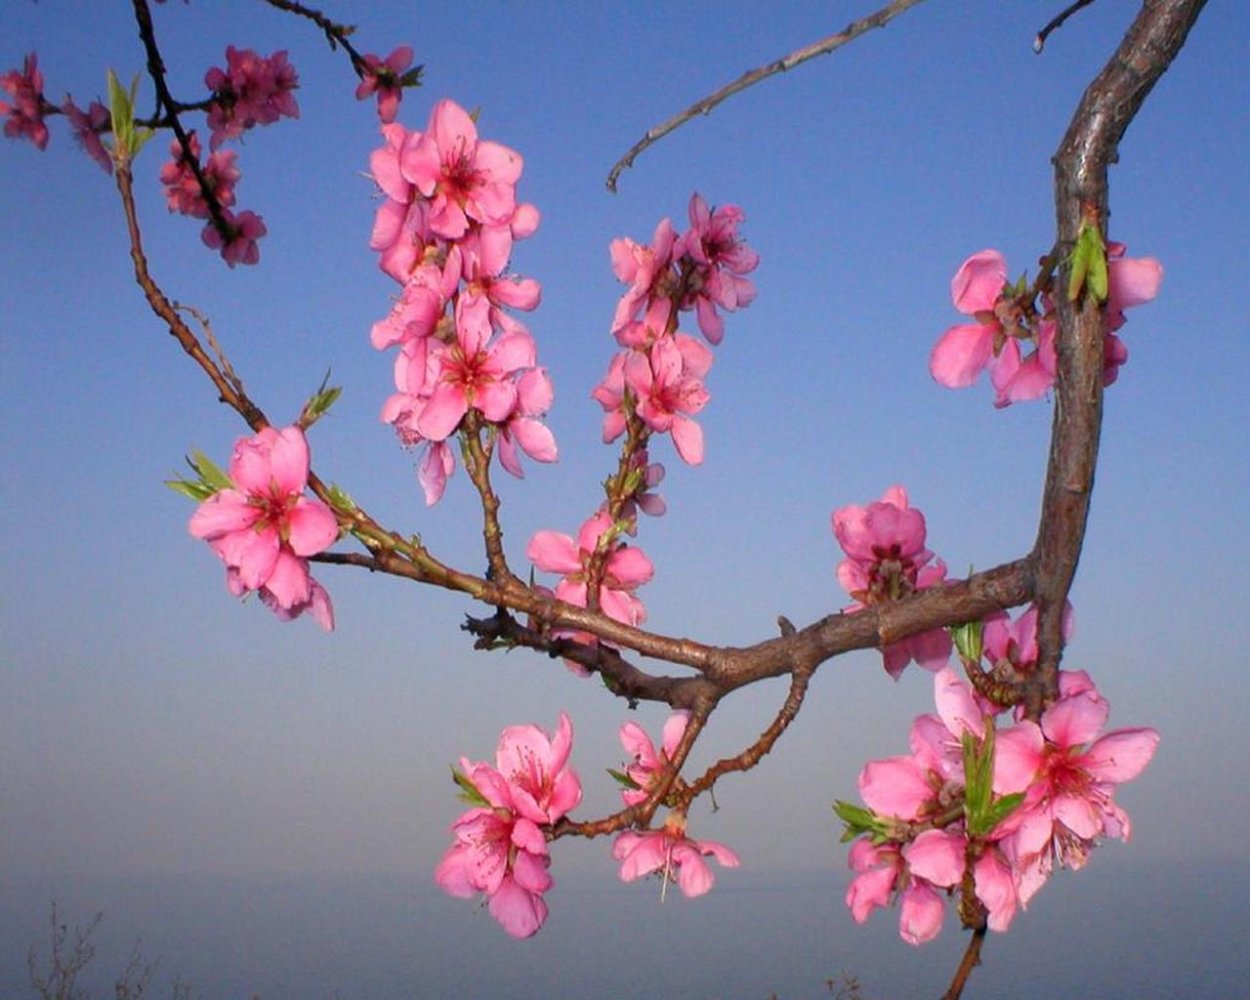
(624,780)
(853,815)
(193,490)
(468,790)
(967,639)
(209,473)
(1088,265)
(1001,809)
(340,498)
(320,402)
(121,113)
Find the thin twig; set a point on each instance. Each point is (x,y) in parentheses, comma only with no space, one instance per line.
(702,107)
(1040,41)
(756,752)
(971,959)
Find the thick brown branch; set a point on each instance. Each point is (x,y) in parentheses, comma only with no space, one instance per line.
(879,19)
(1107,108)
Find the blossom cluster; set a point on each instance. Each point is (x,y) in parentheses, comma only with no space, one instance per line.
(666,852)
(445,233)
(988,806)
(25,111)
(886,559)
(499,844)
(1012,318)
(654,385)
(250,90)
(264,528)
(658,376)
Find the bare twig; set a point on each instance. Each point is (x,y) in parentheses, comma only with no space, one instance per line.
(1055,22)
(879,19)
(971,959)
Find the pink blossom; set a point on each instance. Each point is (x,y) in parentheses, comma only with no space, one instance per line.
(886,560)
(1131,281)
(500,848)
(469,372)
(648,763)
(1011,647)
(504,856)
(239,246)
(182,188)
(721,259)
(252,90)
(535,766)
(1017,378)
(87,127)
(625,568)
(1069,804)
(964,350)
(264,528)
(524,430)
(382,76)
(466,180)
(667,384)
(880,871)
(648,270)
(25,111)
(673,855)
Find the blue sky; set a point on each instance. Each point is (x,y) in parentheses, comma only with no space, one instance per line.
(149,724)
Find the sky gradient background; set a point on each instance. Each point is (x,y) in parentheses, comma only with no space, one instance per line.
(150,726)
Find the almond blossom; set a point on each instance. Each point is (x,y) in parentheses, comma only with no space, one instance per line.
(87,127)
(671,854)
(720,260)
(648,763)
(382,77)
(24,113)
(465,179)
(625,568)
(264,528)
(500,848)
(1069,805)
(886,560)
(252,90)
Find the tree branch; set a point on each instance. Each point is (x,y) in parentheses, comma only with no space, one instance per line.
(1109,105)
(879,19)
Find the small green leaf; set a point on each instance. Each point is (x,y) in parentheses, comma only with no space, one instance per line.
(1088,265)
(853,815)
(967,639)
(340,498)
(1001,809)
(209,473)
(121,113)
(193,490)
(468,791)
(624,780)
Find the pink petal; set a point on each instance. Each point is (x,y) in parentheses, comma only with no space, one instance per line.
(520,912)
(937,856)
(554,552)
(1121,755)
(961,354)
(312,527)
(920,916)
(979,282)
